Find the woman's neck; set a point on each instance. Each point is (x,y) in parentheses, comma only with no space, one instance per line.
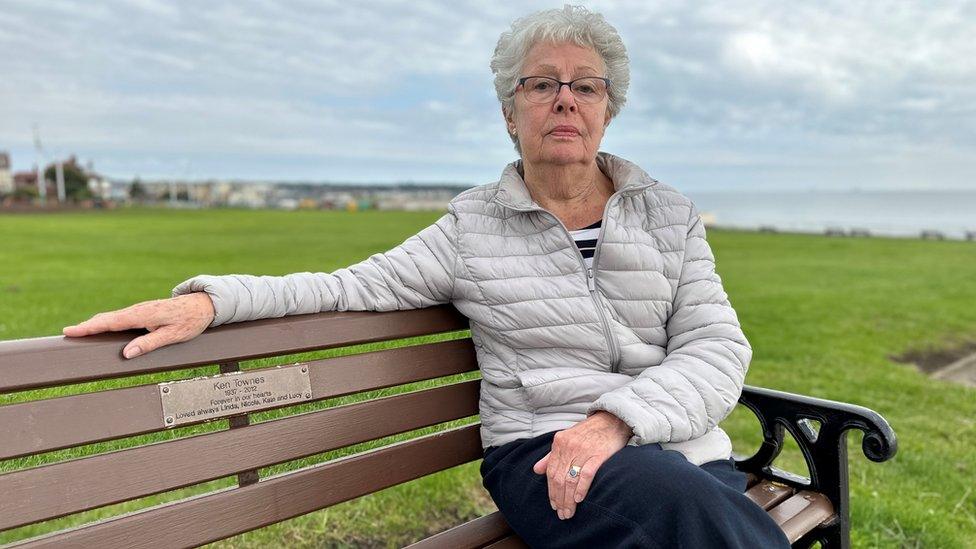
(575,193)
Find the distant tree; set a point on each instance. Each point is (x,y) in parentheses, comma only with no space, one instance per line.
(75,181)
(137,191)
(25,193)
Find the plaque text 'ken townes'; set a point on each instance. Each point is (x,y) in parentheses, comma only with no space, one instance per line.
(233,393)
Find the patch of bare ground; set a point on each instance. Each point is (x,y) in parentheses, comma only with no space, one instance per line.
(956,364)
(933,360)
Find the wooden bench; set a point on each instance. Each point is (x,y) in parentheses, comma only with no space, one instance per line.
(809,510)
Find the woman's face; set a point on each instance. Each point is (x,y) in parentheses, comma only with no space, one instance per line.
(534,123)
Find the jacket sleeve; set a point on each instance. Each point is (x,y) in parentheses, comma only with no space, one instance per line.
(700,379)
(417,273)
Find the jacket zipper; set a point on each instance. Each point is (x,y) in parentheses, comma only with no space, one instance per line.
(590,274)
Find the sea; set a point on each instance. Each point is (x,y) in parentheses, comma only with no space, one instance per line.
(951,213)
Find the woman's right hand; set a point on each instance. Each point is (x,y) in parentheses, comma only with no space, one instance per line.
(169,321)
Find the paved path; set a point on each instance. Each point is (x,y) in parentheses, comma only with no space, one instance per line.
(961,371)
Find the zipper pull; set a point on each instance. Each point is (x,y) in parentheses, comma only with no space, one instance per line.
(590,280)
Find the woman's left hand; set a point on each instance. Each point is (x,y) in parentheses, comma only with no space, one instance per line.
(587,444)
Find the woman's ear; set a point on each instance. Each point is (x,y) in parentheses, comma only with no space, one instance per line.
(509,121)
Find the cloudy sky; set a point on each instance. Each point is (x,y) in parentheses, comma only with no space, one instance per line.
(724,95)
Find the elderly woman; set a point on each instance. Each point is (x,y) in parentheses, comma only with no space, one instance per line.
(608,349)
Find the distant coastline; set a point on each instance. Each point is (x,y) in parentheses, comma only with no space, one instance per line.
(951,213)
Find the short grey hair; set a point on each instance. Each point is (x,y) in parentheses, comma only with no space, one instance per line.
(574,24)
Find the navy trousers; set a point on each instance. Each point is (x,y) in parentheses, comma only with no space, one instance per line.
(643,496)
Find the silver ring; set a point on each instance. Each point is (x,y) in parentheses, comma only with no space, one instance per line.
(574,471)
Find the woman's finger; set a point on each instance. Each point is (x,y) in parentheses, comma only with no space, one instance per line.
(143,344)
(551,464)
(572,484)
(586,478)
(541,465)
(102,322)
(131,317)
(566,504)
(557,473)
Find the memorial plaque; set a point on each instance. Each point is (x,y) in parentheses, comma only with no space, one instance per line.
(234,393)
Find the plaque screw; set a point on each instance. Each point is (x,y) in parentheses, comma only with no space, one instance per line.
(169,420)
(304,369)
(308,395)
(165,390)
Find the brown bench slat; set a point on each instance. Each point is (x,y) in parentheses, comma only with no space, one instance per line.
(473,534)
(802,513)
(767,494)
(56,423)
(60,489)
(52,424)
(511,542)
(219,515)
(41,362)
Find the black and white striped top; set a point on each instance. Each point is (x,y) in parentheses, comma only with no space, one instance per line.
(586,241)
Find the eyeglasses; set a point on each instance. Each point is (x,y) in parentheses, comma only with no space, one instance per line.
(542,89)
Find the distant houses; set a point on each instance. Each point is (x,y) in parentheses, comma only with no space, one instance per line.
(294,196)
(90,189)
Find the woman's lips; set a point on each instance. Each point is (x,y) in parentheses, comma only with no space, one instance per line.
(564,131)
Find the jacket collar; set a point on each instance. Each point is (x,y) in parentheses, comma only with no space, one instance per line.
(627,177)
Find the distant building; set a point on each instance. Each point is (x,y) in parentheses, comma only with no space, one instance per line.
(25,180)
(6,178)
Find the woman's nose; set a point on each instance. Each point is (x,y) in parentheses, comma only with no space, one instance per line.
(565,100)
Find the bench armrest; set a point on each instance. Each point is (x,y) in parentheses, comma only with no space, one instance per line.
(824,449)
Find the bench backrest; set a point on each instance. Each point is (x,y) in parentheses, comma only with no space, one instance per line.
(35,422)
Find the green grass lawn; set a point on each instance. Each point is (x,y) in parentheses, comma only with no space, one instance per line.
(824,316)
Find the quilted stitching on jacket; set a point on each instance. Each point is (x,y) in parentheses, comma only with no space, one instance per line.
(657,333)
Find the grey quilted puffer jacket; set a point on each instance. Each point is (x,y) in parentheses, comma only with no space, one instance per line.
(648,334)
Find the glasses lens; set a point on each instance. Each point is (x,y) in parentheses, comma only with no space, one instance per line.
(539,89)
(589,90)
